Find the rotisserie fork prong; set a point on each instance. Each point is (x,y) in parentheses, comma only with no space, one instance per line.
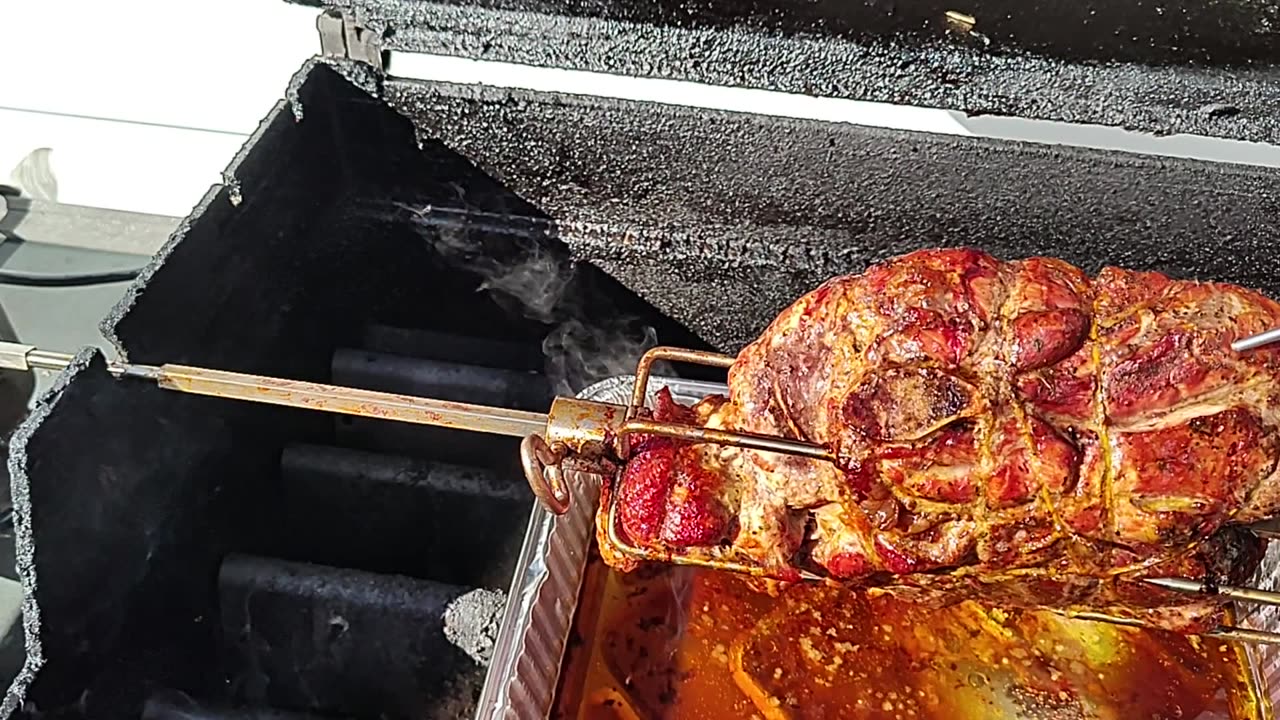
(640,393)
(750,441)
(1254,342)
(1230,633)
(1236,594)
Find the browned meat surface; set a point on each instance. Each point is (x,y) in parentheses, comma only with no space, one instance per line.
(1013,432)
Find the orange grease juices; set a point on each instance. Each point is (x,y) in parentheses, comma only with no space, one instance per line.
(692,644)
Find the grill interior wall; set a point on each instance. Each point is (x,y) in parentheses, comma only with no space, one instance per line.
(722,219)
(1231,33)
(237,553)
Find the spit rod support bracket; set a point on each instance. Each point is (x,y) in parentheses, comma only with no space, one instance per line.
(17,356)
(13,356)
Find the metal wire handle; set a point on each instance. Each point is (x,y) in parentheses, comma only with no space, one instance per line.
(750,441)
(694,434)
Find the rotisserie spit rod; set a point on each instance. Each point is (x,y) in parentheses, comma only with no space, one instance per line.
(575,432)
(295,393)
(582,432)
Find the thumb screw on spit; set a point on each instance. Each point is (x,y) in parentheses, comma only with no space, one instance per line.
(582,431)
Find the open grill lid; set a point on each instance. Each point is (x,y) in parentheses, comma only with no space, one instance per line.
(1164,67)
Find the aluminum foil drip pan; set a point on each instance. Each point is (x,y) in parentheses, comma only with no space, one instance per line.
(524,675)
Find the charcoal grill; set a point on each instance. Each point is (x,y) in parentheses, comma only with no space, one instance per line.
(187,557)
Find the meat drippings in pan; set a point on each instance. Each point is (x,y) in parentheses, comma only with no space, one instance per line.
(690,644)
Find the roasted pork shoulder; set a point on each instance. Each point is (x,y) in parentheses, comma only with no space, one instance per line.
(1016,433)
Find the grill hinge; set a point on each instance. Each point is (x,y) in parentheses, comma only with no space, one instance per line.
(342,36)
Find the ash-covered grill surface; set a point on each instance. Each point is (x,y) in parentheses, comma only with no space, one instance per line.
(214,554)
(1208,68)
(723,219)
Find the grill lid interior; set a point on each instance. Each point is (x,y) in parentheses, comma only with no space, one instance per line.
(1173,67)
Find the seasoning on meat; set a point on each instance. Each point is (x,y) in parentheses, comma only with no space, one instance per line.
(1012,432)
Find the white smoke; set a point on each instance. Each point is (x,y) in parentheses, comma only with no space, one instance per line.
(578,356)
(534,284)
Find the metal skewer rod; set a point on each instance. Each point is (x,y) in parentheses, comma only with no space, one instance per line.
(1240,594)
(1269,529)
(750,441)
(1256,341)
(1224,632)
(350,401)
(541,459)
(301,394)
(1248,635)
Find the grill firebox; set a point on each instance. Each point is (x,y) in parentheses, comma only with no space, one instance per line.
(209,558)
(190,555)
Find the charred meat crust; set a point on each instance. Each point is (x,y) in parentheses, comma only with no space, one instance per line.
(1013,432)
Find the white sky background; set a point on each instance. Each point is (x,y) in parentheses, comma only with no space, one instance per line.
(144,102)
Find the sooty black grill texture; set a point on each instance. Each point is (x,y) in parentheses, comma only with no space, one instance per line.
(1159,67)
(722,219)
(186,550)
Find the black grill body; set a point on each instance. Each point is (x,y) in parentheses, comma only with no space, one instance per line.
(1178,66)
(219,559)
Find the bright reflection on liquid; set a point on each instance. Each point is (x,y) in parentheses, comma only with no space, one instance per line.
(698,645)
